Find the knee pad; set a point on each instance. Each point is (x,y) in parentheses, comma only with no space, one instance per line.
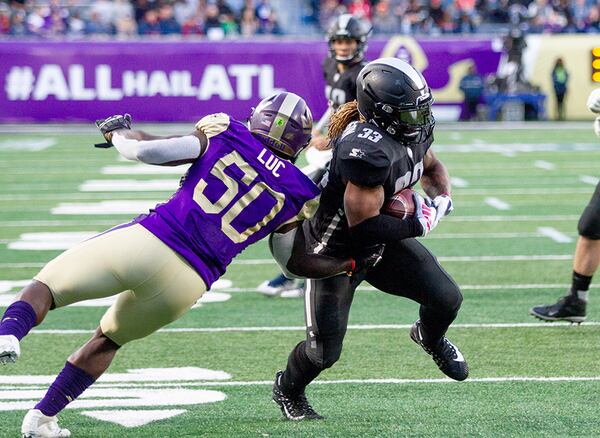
(322,357)
(589,223)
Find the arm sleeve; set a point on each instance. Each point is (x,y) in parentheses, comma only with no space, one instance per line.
(384,229)
(159,151)
(290,252)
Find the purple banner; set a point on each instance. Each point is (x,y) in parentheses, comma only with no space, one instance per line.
(182,81)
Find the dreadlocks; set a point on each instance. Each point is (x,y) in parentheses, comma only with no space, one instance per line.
(345,114)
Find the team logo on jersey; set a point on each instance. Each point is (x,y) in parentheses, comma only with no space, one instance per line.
(357,153)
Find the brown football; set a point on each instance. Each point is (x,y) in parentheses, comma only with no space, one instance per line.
(401,204)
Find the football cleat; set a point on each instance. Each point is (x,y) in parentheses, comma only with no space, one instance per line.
(9,349)
(281,286)
(38,425)
(293,408)
(568,308)
(445,354)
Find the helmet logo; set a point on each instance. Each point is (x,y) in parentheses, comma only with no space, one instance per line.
(279,121)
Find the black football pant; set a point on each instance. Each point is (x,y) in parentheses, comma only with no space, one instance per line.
(407,269)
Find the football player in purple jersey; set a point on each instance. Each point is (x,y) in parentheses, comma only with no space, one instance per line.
(241,186)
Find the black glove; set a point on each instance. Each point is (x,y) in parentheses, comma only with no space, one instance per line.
(367,258)
(111,124)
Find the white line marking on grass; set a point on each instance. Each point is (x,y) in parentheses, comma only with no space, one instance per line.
(554,234)
(50,241)
(129,185)
(144,169)
(57,223)
(566,217)
(105,207)
(515,258)
(546,165)
(507,379)
(350,327)
(497,203)
(27,144)
(530,191)
(589,179)
(507,148)
(458,182)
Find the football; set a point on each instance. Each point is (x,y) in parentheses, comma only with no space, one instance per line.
(401,204)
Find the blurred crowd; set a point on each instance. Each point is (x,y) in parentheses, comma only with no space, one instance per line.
(217,19)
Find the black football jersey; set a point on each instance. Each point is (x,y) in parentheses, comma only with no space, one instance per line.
(366,156)
(340,87)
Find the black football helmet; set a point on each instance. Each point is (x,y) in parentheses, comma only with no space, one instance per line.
(395,97)
(348,27)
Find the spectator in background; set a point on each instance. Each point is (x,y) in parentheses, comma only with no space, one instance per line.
(361,9)
(126,27)
(384,20)
(18,26)
(167,23)
(105,12)
(212,24)
(472,87)
(560,78)
(4,19)
(94,26)
(248,23)
(270,26)
(76,26)
(150,25)
(194,25)
(439,19)
(227,18)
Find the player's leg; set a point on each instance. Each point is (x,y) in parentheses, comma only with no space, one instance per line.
(408,269)
(327,306)
(572,307)
(165,288)
(84,272)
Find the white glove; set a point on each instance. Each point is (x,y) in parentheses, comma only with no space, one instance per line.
(425,213)
(593,102)
(597,126)
(443,205)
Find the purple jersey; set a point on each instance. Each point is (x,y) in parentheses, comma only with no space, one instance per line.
(235,194)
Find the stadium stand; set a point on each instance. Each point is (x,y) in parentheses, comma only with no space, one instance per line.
(218,19)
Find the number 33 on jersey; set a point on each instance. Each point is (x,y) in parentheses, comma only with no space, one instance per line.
(237,193)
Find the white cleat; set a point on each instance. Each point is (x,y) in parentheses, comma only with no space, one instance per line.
(9,349)
(38,425)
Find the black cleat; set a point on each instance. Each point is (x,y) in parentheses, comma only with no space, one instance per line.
(445,354)
(568,308)
(293,408)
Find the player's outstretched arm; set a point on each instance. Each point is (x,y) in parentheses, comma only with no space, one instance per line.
(151,149)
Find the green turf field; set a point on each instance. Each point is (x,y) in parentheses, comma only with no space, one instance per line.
(518,196)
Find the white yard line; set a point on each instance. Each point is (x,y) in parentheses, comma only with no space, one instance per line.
(496,203)
(458,182)
(144,169)
(546,165)
(129,185)
(555,235)
(526,325)
(513,258)
(589,179)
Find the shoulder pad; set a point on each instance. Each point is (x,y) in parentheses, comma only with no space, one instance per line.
(363,142)
(213,124)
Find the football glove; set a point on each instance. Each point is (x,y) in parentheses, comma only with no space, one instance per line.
(443,205)
(597,126)
(367,258)
(426,214)
(593,101)
(110,124)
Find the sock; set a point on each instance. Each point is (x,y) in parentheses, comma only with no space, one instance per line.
(69,385)
(18,319)
(580,286)
(299,373)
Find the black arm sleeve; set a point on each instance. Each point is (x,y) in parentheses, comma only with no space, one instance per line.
(384,229)
(309,265)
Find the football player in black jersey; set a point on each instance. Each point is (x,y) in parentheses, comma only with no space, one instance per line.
(381,144)
(572,307)
(347,42)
